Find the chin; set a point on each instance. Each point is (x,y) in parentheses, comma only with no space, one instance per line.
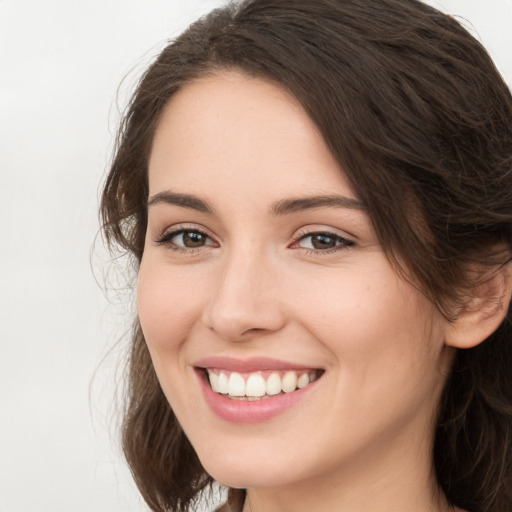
(247,477)
(241,470)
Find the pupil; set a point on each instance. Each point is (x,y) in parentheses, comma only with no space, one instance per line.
(323,241)
(192,239)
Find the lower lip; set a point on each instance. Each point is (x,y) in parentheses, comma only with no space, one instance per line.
(243,411)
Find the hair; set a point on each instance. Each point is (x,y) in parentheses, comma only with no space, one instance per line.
(415,112)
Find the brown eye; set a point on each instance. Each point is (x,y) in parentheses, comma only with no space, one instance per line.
(183,239)
(192,239)
(323,241)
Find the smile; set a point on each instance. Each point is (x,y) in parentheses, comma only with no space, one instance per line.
(256,389)
(260,385)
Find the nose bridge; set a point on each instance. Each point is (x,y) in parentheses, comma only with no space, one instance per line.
(245,299)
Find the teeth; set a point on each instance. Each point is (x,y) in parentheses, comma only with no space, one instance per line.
(214,381)
(303,381)
(274,384)
(254,386)
(236,385)
(289,383)
(222,384)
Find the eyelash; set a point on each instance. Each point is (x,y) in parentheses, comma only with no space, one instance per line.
(341,242)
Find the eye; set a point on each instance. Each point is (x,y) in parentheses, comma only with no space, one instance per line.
(322,241)
(190,239)
(183,239)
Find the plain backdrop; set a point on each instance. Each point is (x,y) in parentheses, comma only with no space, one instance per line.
(61,66)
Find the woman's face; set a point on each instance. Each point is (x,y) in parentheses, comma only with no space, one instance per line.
(262,268)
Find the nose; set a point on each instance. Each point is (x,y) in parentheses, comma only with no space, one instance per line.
(246,300)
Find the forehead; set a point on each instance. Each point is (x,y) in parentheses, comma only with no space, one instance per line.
(242,132)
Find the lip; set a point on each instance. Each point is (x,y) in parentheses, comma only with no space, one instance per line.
(241,411)
(254,364)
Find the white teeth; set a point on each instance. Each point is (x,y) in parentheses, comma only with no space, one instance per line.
(303,381)
(256,387)
(289,382)
(273,384)
(236,385)
(214,381)
(223,384)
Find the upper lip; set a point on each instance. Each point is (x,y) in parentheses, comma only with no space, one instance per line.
(252,364)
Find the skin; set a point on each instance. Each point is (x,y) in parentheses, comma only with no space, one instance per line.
(361,439)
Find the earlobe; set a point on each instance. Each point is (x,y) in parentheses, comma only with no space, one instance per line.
(483,313)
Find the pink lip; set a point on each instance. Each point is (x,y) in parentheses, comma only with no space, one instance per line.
(241,411)
(254,364)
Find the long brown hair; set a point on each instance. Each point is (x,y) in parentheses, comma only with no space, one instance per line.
(420,120)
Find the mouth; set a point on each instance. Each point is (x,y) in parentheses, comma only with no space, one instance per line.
(254,390)
(258,385)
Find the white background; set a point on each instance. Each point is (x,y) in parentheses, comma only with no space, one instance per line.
(61,63)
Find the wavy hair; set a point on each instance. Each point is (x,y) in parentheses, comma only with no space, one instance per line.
(415,112)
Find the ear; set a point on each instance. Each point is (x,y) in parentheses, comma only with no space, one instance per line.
(484,311)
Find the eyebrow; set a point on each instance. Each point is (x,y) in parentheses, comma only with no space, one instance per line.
(282,207)
(287,206)
(184,200)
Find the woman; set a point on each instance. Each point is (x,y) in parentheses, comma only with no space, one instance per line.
(318,198)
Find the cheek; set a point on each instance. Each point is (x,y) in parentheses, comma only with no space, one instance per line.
(386,345)
(371,317)
(167,305)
